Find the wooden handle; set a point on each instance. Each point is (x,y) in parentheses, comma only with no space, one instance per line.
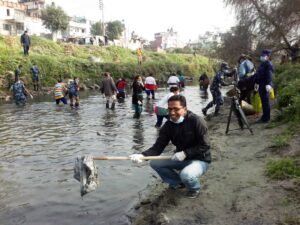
(127,157)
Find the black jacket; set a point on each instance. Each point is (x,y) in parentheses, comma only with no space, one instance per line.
(189,136)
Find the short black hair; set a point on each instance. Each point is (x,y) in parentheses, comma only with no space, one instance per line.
(179,98)
(173,89)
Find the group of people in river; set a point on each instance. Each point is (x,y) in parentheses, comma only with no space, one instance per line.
(187,131)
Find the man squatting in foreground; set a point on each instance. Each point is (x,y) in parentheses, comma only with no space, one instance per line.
(188,132)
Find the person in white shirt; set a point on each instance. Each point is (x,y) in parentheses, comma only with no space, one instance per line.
(150,86)
(173,80)
(161,110)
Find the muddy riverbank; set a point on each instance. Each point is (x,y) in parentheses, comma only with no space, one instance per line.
(235,189)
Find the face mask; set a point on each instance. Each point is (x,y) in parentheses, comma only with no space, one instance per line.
(180,120)
(263,58)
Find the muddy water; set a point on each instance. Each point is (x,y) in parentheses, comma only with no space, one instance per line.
(38,145)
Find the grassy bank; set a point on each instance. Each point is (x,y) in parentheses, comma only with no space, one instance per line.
(67,60)
(287,165)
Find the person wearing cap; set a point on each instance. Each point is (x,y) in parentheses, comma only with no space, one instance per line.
(215,89)
(263,78)
(20,92)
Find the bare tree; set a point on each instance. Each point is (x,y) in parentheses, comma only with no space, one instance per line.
(277,21)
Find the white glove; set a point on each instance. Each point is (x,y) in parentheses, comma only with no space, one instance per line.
(136,158)
(179,156)
(268,88)
(256,86)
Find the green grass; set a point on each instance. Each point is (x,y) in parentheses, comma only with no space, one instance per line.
(283,169)
(282,140)
(67,60)
(287,82)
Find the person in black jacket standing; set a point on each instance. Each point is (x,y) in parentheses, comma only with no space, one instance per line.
(188,132)
(137,96)
(25,42)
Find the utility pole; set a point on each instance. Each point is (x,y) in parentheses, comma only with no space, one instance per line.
(101,7)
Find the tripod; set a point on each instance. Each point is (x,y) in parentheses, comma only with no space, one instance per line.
(242,120)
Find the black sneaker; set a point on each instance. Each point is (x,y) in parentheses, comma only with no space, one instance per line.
(192,194)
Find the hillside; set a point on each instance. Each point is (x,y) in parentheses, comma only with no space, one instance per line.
(57,60)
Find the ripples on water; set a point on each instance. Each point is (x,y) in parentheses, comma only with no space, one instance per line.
(38,145)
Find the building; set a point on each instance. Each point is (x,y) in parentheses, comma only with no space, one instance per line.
(166,40)
(79,27)
(17,16)
(12,17)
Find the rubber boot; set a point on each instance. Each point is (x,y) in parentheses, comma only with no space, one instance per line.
(113,106)
(216,112)
(107,105)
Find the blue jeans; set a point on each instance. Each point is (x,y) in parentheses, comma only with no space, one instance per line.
(176,172)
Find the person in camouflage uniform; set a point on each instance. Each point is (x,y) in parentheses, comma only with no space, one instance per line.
(215,89)
(20,92)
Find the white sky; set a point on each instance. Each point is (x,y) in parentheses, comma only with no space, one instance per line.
(146,17)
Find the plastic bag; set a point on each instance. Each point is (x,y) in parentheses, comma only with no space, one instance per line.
(272,94)
(256,103)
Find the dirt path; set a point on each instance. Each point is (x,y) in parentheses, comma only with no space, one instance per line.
(235,190)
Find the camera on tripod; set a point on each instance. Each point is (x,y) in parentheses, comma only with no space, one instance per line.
(238,111)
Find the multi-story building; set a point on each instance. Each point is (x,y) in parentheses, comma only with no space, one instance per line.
(12,17)
(17,16)
(166,40)
(78,27)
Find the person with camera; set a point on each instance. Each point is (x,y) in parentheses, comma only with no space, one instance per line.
(188,132)
(215,89)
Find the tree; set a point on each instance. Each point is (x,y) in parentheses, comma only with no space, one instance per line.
(55,19)
(277,21)
(96,29)
(234,42)
(114,29)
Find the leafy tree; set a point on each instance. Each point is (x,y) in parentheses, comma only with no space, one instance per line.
(55,19)
(96,29)
(277,21)
(114,29)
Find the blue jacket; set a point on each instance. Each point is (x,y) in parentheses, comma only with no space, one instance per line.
(217,81)
(25,39)
(245,67)
(263,75)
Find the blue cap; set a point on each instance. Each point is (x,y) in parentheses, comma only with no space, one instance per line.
(266,52)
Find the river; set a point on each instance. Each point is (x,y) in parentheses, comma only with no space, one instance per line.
(38,147)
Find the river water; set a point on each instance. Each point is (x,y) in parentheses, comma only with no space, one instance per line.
(38,147)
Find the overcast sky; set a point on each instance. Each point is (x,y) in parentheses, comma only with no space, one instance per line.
(146,17)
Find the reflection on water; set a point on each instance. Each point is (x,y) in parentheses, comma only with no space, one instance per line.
(138,136)
(38,145)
